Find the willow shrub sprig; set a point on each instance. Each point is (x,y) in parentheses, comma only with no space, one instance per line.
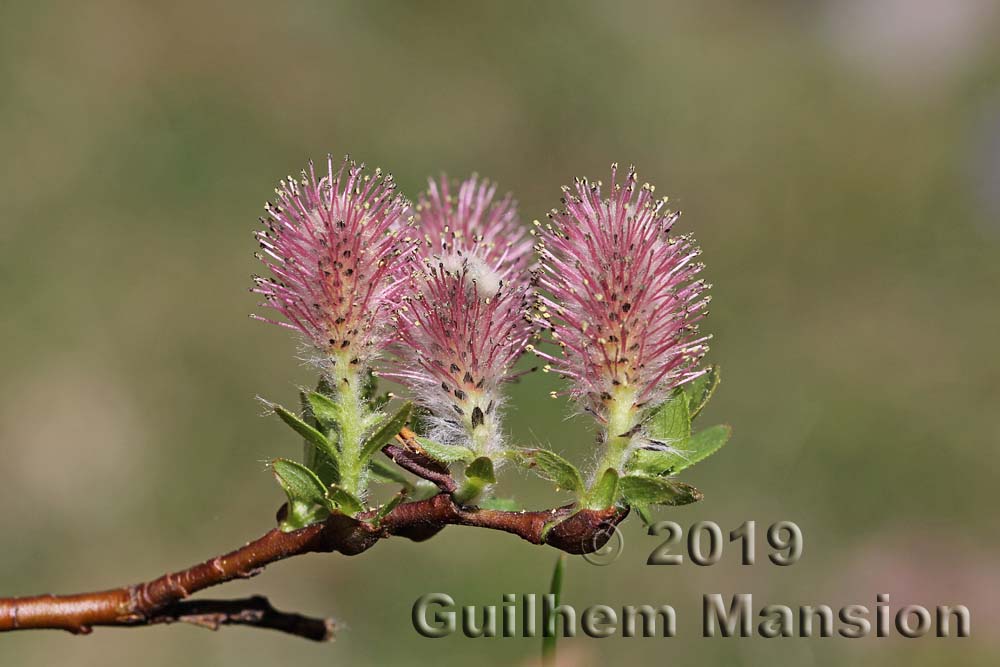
(444,296)
(335,248)
(622,301)
(465,321)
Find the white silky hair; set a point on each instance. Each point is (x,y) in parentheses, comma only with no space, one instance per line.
(486,279)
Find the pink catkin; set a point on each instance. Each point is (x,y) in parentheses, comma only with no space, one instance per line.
(467,315)
(624,303)
(334,247)
(469,221)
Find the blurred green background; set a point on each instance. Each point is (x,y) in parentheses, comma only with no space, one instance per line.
(839,162)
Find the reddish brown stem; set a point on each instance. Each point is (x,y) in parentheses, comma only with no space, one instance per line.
(421,466)
(410,456)
(156,601)
(254,611)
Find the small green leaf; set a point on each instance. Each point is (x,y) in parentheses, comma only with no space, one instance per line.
(700,391)
(604,493)
(478,475)
(325,467)
(371,420)
(327,412)
(671,421)
(683,455)
(445,453)
(316,459)
(345,501)
(381,471)
(643,490)
(306,410)
(652,462)
(307,499)
(299,482)
(386,432)
(302,428)
(644,514)
(300,515)
(504,504)
(702,445)
(549,465)
(482,469)
(324,459)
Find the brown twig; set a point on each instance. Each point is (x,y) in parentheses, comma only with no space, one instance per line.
(254,611)
(157,601)
(409,456)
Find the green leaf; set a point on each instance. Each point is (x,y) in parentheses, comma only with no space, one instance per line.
(671,421)
(307,499)
(381,471)
(326,411)
(305,430)
(644,514)
(482,469)
(605,492)
(371,420)
(317,459)
(504,504)
(321,454)
(386,432)
(549,465)
(345,501)
(703,444)
(445,453)
(326,468)
(683,455)
(478,475)
(700,391)
(652,462)
(299,482)
(644,490)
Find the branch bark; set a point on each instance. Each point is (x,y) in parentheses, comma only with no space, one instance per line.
(254,611)
(408,456)
(160,600)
